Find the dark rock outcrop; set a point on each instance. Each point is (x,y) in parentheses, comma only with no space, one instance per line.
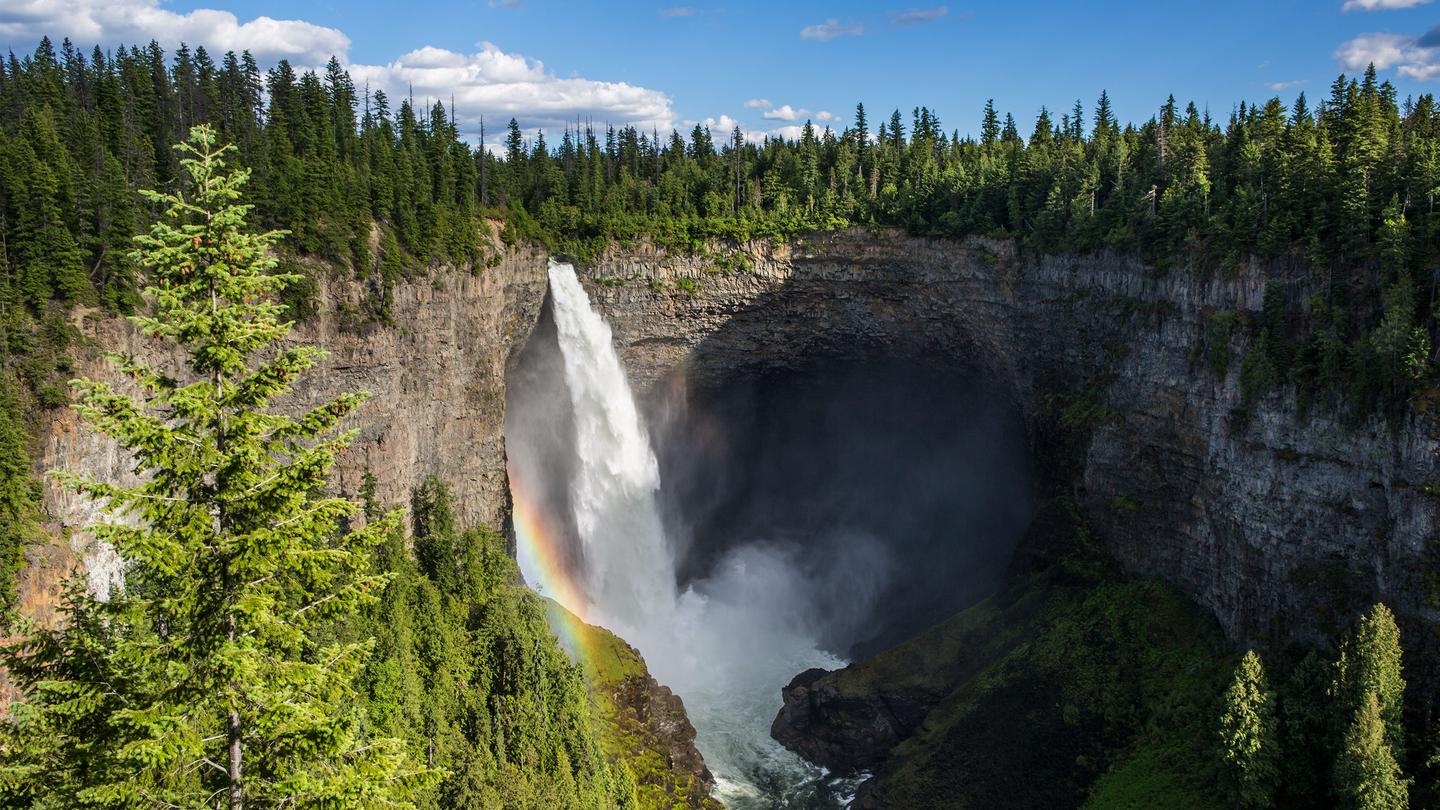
(660,717)
(841,732)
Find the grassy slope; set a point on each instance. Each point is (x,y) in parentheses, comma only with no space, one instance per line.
(618,682)
(1059,696)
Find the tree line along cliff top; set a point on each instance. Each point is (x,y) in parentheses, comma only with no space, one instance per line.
(1345,185)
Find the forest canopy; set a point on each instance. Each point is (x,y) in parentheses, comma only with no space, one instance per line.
(385,188)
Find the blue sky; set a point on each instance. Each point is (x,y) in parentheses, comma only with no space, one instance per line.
(768,66)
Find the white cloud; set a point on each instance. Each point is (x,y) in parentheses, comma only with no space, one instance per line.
(1382,50)
(918,16)
(1380,5)
(1280,86)
(722,126)
(678,11)
(789,133)
(490,81)
(783,113)
(1413,57)
(112,22)
(500,85)
(509,5)
(1422,71)
(830,29)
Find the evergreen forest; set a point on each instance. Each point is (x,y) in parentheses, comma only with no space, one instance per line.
(361,658)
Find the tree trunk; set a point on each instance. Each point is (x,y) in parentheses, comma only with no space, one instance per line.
(237,794)
(232,729)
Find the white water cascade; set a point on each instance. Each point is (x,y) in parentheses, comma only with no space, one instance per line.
(629,576)
(726,646)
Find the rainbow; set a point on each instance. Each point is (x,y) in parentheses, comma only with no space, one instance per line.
(541,555)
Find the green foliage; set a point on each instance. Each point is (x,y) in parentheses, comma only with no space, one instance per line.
(1248,738)
(1219,326)
(1370,664)
(209,678)
(1257,372)
(630,724)
(1367,776)
(1154,775)
(19,501)
(1056,695)
(466,671)
(1081,413)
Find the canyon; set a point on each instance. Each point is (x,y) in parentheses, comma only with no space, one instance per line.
(1279,524)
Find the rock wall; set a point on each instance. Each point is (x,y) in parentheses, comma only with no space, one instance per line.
(1279,523)
(438,383)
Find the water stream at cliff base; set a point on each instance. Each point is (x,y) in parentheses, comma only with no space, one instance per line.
(726,644)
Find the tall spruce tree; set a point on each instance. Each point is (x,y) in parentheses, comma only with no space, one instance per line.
(1247,735)
(209,679)
(1367,776)
(1370,663)
(18,501)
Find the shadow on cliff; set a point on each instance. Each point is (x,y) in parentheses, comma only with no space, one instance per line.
(882,459)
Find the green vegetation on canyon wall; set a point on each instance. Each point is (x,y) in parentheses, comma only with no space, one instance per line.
(484,697)
(1075,686)
(324,665)
(467,670)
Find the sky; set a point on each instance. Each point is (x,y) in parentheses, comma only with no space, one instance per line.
(768,67)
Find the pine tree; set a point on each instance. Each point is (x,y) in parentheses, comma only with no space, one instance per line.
(1370,664)
(1247,735)
(1367,776)
(861,129)
(989,124)
(208,680)
(18,501)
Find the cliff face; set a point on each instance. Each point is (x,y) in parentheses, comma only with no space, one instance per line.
(1274,521)
(437,379)
(438,384)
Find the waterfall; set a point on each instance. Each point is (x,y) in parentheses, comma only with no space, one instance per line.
(726,645)
(628,571)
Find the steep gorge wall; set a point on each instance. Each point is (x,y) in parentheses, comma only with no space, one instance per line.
(1275,523)
(438,383)
(1278,523)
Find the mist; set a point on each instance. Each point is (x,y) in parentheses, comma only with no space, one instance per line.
(896,489)
(742,534)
